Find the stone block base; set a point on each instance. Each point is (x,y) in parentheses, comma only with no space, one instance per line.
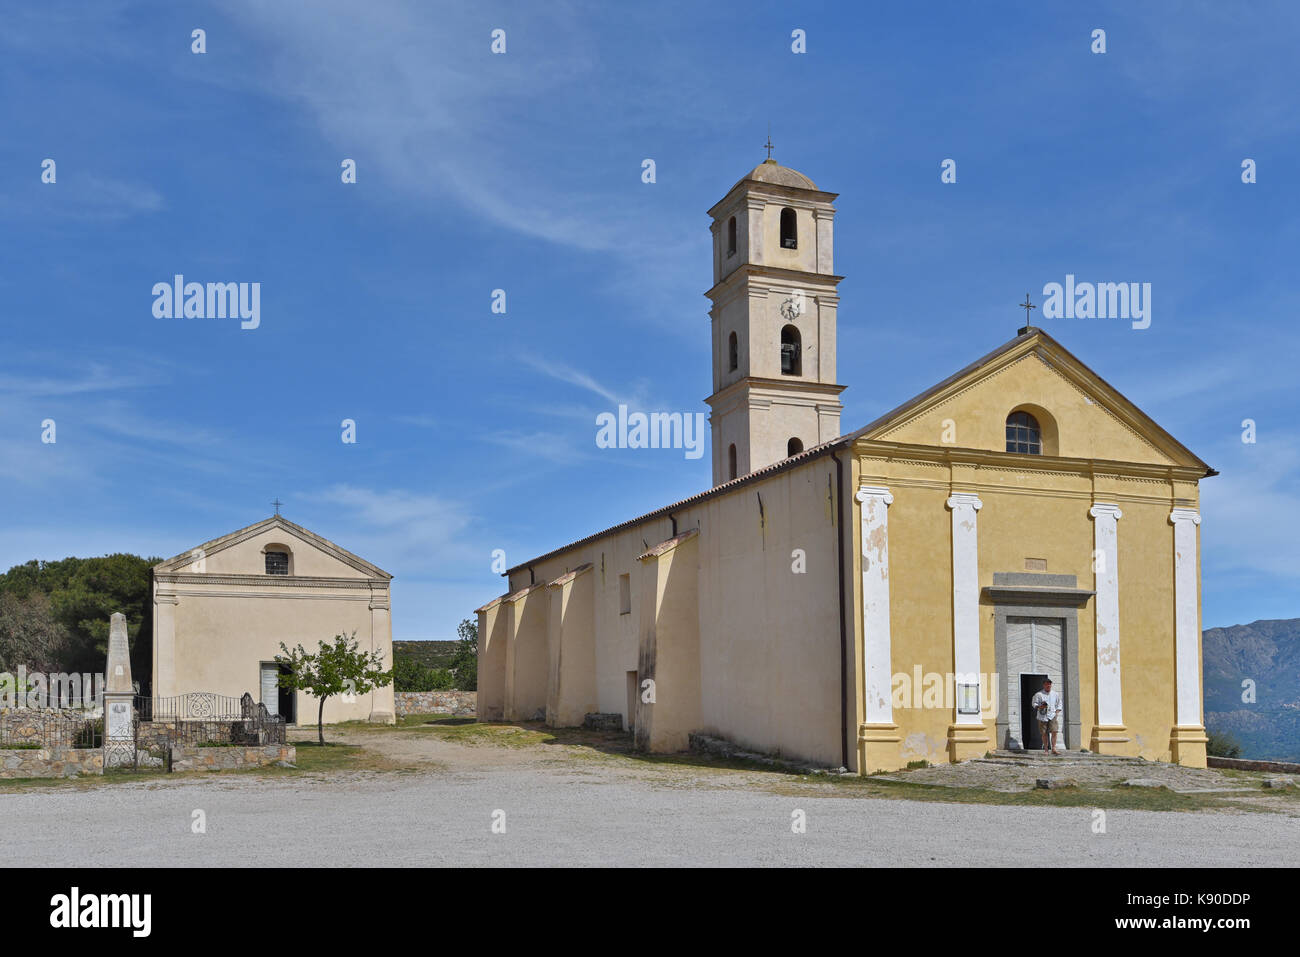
(1187,746)
(968,741)
(878,746)
(1110,739)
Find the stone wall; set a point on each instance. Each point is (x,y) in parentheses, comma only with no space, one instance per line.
(436,702)
(227,759)
(50,762)
(1248,764)
(48,727)
(165,734)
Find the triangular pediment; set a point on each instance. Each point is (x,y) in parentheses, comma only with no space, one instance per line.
(1081,415)
(237,553)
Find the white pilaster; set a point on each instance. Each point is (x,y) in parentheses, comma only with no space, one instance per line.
(1105,560)
(965,596)
(825,219)
(1187,617)
(163,682)
(877,667)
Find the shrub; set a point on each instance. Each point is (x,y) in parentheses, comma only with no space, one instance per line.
(1222,745)
(410,675)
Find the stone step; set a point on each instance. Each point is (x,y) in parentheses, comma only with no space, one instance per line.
(1065,757)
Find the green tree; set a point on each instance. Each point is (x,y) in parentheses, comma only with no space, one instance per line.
(409,675)
(464,663)
(83,594)
(338,668)
(30,635)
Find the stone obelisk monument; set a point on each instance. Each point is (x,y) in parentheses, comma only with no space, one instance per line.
(119,695)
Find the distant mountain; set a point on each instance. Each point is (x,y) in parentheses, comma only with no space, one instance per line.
(1267,653)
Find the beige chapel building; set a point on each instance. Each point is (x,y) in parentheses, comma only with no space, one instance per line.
(221,610)
(890,595)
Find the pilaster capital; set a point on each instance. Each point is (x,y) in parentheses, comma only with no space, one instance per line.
(874,491)
(1184,515)
(1105,508)
(964,499)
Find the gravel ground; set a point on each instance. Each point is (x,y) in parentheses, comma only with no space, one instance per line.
(563,811)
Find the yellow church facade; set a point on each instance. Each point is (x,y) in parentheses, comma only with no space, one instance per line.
(891,595)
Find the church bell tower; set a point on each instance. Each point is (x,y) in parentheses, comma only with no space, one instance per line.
(774,298)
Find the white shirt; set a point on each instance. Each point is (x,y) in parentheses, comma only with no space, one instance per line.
(1053,701)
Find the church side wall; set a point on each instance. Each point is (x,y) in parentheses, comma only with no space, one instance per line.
(769,657)
(769,629)
(527,658)
(616,640)
(492,662)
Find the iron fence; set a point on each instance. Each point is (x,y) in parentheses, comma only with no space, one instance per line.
(202,718)
(195,706)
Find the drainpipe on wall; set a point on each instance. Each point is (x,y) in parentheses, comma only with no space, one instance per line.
(844,651)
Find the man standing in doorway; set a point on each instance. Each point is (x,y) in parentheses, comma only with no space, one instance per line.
(1047,705)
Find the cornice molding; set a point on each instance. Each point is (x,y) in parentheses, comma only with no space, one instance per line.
(278,595)
(1036,596)
(303,535)
(745,273)
(767,389)
(994,460)
(271,581)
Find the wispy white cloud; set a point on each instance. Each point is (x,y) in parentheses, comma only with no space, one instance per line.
(563,373)
(81,197)
(399,525)
(412,93)
(399,87)
(557,447)
(76,377)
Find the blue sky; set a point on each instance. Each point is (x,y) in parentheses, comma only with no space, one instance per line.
(522,172)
